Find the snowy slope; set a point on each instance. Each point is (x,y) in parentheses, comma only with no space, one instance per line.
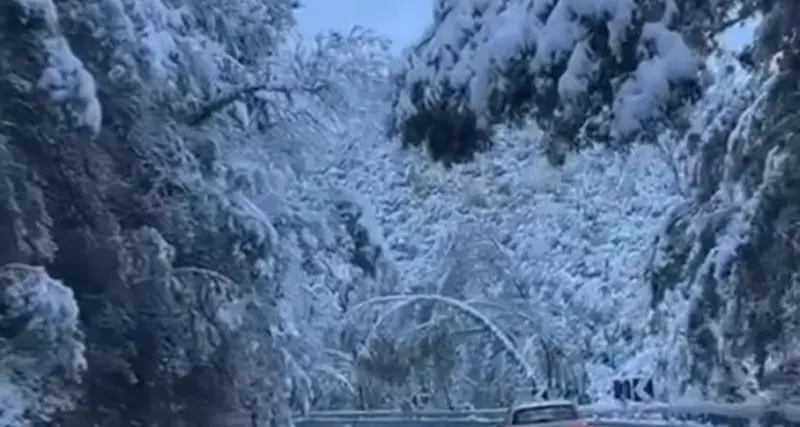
(551,256)
(564,261)
(574,240)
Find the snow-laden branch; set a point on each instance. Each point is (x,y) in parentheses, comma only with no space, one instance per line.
(401,301)
(215,106)
(517,313)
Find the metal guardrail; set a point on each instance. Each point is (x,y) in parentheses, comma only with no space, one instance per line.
(640,423)
(384,413)
(734,410)
(492,416)
(395,422)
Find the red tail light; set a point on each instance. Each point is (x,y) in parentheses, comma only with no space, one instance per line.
(579,424)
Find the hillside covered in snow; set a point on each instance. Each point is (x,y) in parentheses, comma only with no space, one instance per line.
(647,83)
(204,222)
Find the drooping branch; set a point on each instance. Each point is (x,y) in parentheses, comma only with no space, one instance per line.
(215,106)
(401,301)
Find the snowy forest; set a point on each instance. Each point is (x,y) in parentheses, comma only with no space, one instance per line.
(208,220)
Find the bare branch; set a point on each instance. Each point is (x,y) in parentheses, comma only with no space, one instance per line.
(212,107)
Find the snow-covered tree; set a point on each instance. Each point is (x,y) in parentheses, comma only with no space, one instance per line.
(727,255)
(165,160)
(202,182)
(583,69)
(721,274)
(587,71)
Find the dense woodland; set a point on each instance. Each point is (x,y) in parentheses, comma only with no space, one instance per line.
(206,222)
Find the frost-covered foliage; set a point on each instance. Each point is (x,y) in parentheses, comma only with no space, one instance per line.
(242,241)
(50,68)
(513,272)
(731,251)
(41,346)
(188,218)
(584,69)
(779,33)
(194,349)
(561,263)
(724,269)
(719,279)
(673,261)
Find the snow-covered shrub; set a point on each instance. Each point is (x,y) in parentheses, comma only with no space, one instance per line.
(584,69)
(50,74)
(42,359)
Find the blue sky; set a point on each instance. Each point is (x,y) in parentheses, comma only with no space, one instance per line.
(735,38)
(404,20)
(401,20)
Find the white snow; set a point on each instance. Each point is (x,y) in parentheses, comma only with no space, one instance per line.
(472,45)
(64,78)
(546,259)
(30,385)
(576,237)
